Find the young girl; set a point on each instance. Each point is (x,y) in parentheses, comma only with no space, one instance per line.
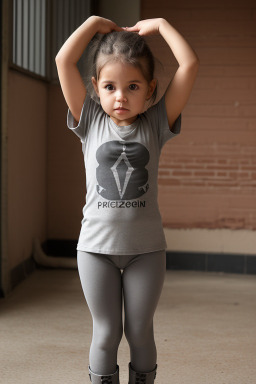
(121,248)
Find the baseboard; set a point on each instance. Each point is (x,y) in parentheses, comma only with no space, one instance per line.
(193,261)
(2,295)
(211,262)
(52,247)
(22,271)
(197,261)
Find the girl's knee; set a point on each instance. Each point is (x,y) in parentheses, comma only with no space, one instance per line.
(107,338)
(138,336)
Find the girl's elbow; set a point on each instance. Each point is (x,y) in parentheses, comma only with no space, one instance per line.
(194,66)
(57,58)
(60,57)
(195,62)
(191,65)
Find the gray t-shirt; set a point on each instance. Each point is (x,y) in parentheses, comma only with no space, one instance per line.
(121,215)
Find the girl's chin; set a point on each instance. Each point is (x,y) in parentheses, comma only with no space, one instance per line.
(121,117)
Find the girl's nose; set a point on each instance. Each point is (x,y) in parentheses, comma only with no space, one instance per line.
(121,97)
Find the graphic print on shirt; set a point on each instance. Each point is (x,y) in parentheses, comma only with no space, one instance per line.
(121,173)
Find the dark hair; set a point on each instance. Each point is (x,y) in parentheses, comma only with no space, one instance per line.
(127,47)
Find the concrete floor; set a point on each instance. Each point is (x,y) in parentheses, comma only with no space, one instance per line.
(205,330)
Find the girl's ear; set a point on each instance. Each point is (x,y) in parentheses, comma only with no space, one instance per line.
(95,86)
(151,88)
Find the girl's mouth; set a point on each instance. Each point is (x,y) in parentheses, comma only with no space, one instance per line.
(121,110)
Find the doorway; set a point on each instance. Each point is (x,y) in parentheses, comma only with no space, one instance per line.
(1,13)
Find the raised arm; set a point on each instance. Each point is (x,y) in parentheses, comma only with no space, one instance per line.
(66,61)
(180,86)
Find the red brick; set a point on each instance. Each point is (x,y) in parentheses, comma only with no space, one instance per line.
(168,181)
(240,175)
(222,174)
(170,166)
(193,166)
(183,160)
(181,173)
(205,161)
(233,162)
(193,182)
(222,161)
(204,174)
(248,168)
(222,168)
(221,183)
(176,166)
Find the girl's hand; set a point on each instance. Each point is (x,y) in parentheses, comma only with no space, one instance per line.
(146,27)
(105,25)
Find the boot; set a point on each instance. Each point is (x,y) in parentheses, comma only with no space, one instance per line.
(140,377)
(104,379)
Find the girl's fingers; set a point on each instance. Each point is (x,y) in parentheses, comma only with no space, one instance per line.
(132,29)
(118,29)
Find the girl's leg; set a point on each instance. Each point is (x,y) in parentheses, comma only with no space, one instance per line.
(142,285)
(102,286)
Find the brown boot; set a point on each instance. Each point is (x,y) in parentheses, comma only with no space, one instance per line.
(141,377)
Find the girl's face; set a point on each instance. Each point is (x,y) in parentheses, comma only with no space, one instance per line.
(123,91)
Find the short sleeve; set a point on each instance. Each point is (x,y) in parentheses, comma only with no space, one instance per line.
(158,117)
(88,110)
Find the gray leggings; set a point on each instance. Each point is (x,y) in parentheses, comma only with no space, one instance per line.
(107,280)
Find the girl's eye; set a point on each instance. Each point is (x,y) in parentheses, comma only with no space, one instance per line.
(133,87)
(109,87)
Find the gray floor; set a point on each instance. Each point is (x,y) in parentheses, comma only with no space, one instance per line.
(205,330)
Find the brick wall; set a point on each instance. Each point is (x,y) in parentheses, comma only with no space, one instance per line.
(207,175)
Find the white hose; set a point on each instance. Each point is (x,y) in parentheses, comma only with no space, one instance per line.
(50,261)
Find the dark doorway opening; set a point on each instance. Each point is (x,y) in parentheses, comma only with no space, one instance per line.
(1,14)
